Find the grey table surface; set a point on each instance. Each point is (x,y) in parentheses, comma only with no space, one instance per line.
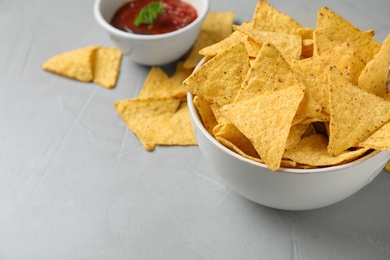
(75,183)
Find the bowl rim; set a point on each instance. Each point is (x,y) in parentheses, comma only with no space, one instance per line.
(196,119)
(106,25)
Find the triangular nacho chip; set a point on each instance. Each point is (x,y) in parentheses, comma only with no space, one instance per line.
(106,66)
(268,18)
(206,114)
(231,137)
(354,113)
(290,46)
(266,121)
(313,71)
(224,44)
(376,72)
(312,150)
(170,87)
(379,140)
(153,81)
(75,64)
(219,79)
(157,122)
(269,72)
(333,30)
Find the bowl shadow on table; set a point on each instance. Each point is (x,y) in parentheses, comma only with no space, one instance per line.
(361,219)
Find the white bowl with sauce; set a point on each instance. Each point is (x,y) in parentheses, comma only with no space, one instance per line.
(151,50)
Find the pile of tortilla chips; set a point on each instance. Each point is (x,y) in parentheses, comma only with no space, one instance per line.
(159,115)
(88,64)
(290,96)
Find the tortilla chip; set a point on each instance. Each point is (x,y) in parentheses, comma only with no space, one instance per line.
(312,150)
(379,140)
(75,64)
(153,81)
(224,44)
(178,129)
(219,79)
(266,120)
(269,72)
(295,134)
(306,33)
(313,71)
(252,47)
(307,48)
(231,137)
(145,116)
(354,113)
(290,46)
(268,18)
(206,114)
(157,122)
(333,30)
(221,119)
(172,86)
(375,74)
(106,66)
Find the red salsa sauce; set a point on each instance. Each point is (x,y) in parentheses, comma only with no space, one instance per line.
(176,14)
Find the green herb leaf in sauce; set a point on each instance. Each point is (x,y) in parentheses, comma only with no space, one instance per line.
(149,13)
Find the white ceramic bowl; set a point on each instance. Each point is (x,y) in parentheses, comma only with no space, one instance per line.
(151,49)
(287,189)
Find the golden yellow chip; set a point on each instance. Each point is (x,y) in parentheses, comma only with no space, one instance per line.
(75,64)
(170,87)
(269,72)
(312,70)
(224,44)
(178,129)
(307,48)
(219,79)
(379,140)
(354,113)
(290,46)
(308,108)
(307,41)
(295,134)
(252,47)
(153,81)
(268,18)
(333,30)
(106,66)
(312,150)
(232,138)
(219,22)
(206,114)
(306,33)
(221,119)
(375,74)
(157,122)
(145,116)
(266,120)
